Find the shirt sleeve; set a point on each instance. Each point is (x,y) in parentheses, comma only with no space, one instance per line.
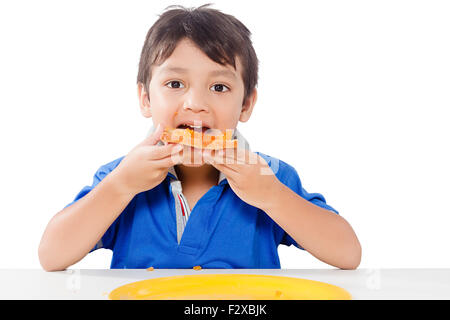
(292,180)
(107,240)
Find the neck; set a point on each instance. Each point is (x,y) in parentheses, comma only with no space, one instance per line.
(205,174)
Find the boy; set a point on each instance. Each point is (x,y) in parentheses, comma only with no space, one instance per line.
(169,206)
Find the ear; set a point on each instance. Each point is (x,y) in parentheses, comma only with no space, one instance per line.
(247,106)
(144,100)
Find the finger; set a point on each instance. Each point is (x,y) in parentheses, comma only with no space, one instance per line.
(220,163)
(229,173)
(161,152)
(227,158)
(154,137)
(168,161)
(242,157)
(246,156)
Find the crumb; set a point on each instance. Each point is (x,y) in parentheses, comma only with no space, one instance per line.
(197,268)
(277,294)
(150,269)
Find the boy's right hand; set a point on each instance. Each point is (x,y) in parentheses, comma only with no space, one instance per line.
(147,164)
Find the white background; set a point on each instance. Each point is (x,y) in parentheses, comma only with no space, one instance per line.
(362,85)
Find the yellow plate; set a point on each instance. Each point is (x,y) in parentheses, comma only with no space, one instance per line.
(229,287)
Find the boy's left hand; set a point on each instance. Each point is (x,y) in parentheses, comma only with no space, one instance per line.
(248,174)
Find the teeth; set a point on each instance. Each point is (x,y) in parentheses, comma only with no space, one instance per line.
(193,127)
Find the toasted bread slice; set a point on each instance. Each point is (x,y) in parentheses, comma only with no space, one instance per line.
(189,137)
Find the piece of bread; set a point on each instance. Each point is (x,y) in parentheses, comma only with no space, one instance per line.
(189,137)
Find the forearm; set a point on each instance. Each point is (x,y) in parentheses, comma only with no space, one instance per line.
(75,230)
(323,233)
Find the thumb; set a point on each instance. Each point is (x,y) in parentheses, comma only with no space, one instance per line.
(154,137)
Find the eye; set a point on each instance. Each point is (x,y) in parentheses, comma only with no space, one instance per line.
(175,84)
(219,88)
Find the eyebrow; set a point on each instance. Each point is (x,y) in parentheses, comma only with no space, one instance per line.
(225,73)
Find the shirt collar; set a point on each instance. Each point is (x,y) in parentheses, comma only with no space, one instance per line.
(242,144)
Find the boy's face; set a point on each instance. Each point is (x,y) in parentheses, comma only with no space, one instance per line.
(189,87)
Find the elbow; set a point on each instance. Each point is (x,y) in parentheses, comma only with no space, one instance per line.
(51,268)
(48,255)
(353,258)
(352,250)
(350,266)
(46,260)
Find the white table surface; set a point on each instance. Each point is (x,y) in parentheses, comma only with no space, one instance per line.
(373,284)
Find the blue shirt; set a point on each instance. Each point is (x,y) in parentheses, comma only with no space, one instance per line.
(222,231)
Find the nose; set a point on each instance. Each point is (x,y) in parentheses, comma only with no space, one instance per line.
(195,101)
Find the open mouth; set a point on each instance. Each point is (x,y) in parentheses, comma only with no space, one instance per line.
(199,136)
(197,128)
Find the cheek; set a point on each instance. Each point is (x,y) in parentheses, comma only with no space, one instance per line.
(162,106)
(227,112)
(227,119)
